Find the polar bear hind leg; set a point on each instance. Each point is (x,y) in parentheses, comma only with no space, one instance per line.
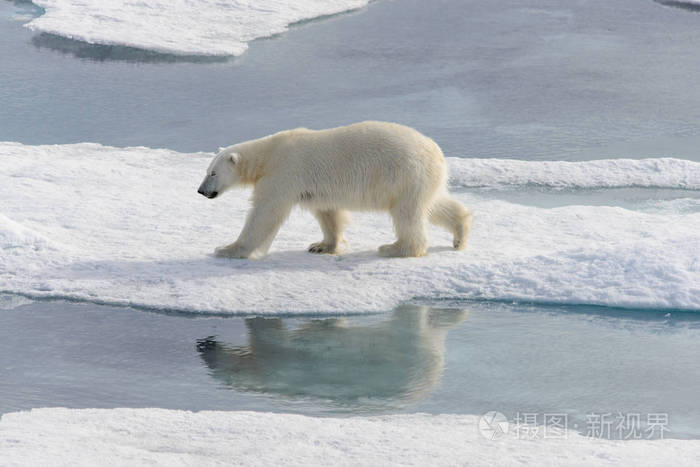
(450,214)
(332,224)
(410,221)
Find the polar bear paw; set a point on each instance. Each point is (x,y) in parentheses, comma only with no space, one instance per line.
(401,250)
(232,251)
(321,247)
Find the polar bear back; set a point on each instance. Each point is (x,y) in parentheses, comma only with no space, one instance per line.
(367,165)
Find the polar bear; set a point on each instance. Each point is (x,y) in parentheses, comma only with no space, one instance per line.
(364,166)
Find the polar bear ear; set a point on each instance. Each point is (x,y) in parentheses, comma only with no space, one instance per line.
(234,157)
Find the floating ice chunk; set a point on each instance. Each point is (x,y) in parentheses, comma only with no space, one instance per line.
(182,27)
(606,173)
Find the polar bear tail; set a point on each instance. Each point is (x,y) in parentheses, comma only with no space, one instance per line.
(452,215)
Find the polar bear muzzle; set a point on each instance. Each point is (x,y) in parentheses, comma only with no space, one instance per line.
(211,195)
(206,191)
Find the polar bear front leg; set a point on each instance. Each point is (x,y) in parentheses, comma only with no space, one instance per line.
(260,228)
(332,224)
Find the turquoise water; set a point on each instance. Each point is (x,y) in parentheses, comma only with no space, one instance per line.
(460,358)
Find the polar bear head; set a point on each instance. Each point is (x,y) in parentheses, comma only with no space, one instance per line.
(221,174)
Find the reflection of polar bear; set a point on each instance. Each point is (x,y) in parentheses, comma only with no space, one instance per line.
(393,362)
(365,166)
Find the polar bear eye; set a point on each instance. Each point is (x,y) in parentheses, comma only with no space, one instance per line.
(213,174)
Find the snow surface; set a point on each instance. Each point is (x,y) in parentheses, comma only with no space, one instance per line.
(596,174)
(126,226)
(183,27)
(58,436)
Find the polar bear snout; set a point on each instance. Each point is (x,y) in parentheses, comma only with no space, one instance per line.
(206,191)
(208,194)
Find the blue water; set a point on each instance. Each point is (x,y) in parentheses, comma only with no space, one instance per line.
(531,79)
(460,358)
(526,79)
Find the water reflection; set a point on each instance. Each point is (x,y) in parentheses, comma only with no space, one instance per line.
(392,363)
(101,53)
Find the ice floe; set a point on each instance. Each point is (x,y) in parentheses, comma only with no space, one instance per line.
(166,437)
(181,27)
(126,226)
(606,173)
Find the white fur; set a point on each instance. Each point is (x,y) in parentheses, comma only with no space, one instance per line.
(363,166)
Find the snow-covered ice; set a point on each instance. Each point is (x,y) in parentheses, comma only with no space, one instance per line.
(182,27)
(126,226)
(596,174)
(168,437)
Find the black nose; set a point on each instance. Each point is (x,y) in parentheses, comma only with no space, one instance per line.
(211,195)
